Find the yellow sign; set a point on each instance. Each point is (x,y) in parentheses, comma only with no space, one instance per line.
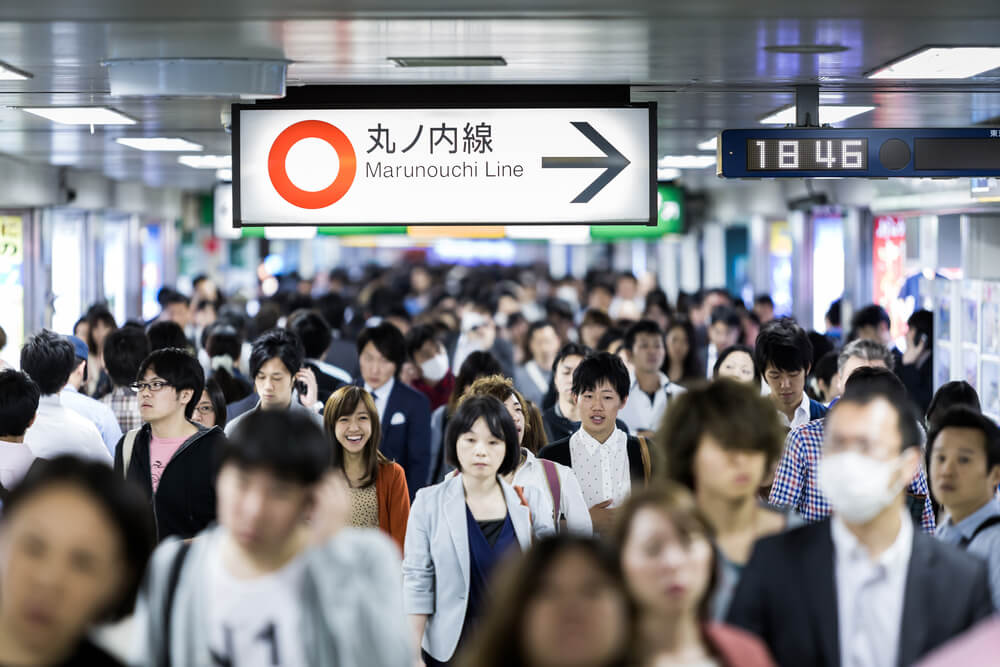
(11,239)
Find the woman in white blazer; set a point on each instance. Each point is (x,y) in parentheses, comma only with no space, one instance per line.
(461,528)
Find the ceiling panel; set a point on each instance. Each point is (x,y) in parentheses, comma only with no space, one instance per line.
(703,63)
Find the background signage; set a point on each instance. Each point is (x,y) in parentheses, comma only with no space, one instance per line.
(486,166)
(810,152)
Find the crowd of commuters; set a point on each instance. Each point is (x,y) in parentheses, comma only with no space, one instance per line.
(439,466)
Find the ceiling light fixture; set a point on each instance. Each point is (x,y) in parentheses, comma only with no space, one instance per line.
(10,73)
(449,61)
(81,115)
(806,49)
(224,175)
(709,144)
(175,144)
(941,62)
(686,161)
(827,114)
(206,161)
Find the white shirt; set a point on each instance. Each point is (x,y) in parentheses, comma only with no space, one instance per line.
(98,413)
(255,622)
(801,414)
(870,596)
(381,395)
(711,356)
(601,468)
(641,413)
(15,459)
(58,430)
(571,503)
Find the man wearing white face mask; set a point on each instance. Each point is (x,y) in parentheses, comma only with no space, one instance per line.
(436,380)
(863,589)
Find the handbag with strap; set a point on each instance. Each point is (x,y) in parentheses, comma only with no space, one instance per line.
(555,486)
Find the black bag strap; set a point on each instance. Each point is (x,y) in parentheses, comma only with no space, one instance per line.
(168,603)
(992,521)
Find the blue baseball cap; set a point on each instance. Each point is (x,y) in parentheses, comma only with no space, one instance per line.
(79,347)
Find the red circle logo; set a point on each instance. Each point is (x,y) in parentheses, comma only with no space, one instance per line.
(307,129)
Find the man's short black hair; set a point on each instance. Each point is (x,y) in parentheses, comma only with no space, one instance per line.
(868,384)
(783,344)
(124,350)
(964,417)
(332,307)
(833,313)
(313,330)
(166,334)
(286,443)
(277,344)
(417,337)
(49,359)
(570,350)
(498,421)
(178,368)
(764,300)
(826,367)
(609,337)
(389,342)
(950,394)
(871,315)
(922,322)
(169,296)
(599,367)
(18,402)
(727,315)
(643,327)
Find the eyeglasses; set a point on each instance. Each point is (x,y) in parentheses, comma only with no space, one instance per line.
(154,386)
(205,409)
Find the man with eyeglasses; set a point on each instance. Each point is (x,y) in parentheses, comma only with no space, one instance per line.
(170,457)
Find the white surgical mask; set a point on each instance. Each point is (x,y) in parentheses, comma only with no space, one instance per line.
(857,486)
(435,368)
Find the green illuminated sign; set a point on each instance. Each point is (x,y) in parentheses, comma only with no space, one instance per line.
(670,219)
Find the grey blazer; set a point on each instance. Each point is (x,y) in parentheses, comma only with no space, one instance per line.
(436,556)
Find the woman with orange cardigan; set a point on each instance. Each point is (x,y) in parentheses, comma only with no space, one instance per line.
(379,496)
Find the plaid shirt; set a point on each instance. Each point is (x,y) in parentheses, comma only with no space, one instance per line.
(796,482)
(125,404)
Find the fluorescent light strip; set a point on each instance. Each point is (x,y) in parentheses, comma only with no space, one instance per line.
(709,144)
(686,161)
(941,62)
(8,73)
(206,161)
(175,144)
(81,115)
(224,175)
(827,114)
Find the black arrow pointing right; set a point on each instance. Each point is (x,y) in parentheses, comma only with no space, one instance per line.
(613,162)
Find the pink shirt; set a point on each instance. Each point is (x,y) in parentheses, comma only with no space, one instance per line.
(161,450)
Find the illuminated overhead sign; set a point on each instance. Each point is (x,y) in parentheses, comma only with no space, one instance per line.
(434,166)
(882,153)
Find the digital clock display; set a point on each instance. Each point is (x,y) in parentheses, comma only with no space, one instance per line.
(807,154)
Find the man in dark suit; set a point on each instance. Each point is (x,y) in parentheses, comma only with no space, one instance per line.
(863,588)
(405,413)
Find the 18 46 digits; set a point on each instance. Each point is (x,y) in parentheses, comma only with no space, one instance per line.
(806,154)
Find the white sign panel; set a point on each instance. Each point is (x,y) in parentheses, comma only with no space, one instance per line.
(439,166)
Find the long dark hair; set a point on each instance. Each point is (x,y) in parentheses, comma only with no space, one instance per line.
(343,403)
(692,369)
(500,639)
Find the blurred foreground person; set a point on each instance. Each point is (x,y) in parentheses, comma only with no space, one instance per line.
(74,541)
(666,554)
(561,605)
(280,580)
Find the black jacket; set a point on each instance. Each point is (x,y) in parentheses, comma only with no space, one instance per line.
(185,499)
(787,596)
(560,453)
